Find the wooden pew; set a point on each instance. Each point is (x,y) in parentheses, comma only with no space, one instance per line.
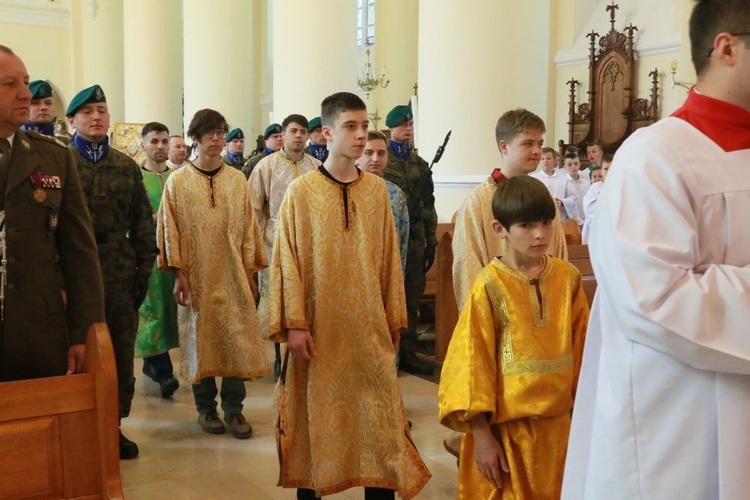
(446,311)
(59,435)
(578,255)
(572,232)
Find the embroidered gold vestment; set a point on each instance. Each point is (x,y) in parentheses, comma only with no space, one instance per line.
(336,271)
(515,355)
(206,228)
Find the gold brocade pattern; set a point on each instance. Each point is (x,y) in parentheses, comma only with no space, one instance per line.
(475,244)
(213,245)
(341,420)
(502,363)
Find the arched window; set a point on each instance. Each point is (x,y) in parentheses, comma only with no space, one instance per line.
(365,22)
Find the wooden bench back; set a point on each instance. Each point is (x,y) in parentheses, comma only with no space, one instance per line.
(58,435)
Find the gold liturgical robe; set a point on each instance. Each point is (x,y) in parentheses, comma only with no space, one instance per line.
(475,244)
(336,271)
(515,355)
(206,228)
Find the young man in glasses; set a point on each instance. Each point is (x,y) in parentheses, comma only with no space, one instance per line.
(664,395)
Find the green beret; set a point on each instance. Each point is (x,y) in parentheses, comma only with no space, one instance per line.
(86,96)
(40,90)
(398,115)
(273,128)
(235,134)
(314,123)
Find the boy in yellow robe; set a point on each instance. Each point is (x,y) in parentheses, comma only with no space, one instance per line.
(336,297)
(510,373)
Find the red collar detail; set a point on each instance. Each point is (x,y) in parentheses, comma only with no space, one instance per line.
(726,124)
(498,176)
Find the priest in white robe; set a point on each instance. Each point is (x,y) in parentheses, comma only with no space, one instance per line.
(663,403)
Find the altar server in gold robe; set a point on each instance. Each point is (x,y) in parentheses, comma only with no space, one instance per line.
(209,237)
(510,373)
(336,297)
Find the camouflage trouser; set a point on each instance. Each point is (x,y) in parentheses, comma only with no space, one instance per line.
(122,320)
(414,281)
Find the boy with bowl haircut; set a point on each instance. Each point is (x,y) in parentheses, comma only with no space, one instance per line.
(509,377)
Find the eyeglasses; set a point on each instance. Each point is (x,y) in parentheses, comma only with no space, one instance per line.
(218,133)
(741,33)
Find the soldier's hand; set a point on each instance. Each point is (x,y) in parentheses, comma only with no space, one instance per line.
(75,358)
(429,257)
(140,289)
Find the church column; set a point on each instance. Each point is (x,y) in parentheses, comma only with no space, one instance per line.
(153,62)
(396,42)
(98,51)
(475,64)
(218,61)
(314,54)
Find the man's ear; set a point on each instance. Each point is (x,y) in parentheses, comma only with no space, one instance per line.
(502,146)
(327,132)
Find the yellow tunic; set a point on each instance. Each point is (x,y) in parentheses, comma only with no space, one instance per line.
(475,244)
(515,355)
(336,271)
(206,228)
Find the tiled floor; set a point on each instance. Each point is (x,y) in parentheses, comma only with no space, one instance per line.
(179,461)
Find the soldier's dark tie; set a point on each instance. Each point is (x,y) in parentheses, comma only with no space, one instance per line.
(4,151)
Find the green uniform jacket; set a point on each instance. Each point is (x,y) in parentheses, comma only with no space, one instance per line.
(420,196)
(121,214)
(250,164)
(50,246)
(238,166)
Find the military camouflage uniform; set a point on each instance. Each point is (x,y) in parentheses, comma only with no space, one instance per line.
(50,246)
(420,200)
(247,169)
(126,240)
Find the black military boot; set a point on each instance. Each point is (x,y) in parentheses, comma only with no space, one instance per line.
(128,449)
(408,360)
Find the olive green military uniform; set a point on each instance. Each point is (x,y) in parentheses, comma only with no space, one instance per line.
(247,169)
(50,246)
(126,238)
(237,165)
(420,199)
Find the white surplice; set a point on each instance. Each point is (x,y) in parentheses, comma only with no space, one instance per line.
(560,187)
(663,403)
(589,207)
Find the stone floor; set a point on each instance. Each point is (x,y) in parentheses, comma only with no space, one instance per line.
(179,461)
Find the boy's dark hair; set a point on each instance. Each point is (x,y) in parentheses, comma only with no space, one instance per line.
(335,104)
(6,50)
(570,156)
(522,199)
(571,150)
(595,142)
(608,158)
(546,150)
(153,127)
(596,168)
(512,123)
(711,17)
(205,121)
(298,119)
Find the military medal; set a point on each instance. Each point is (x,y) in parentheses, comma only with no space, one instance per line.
(40,195)
(52,222)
